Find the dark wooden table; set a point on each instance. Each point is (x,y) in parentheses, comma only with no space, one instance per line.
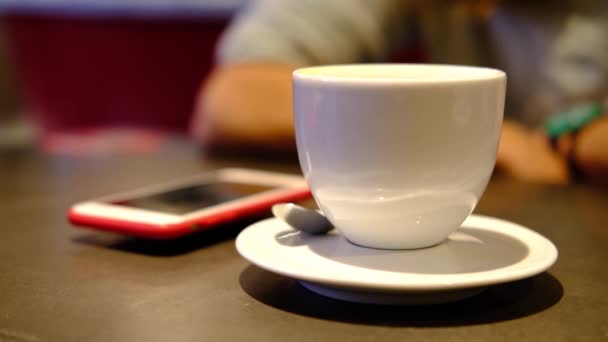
(62,284)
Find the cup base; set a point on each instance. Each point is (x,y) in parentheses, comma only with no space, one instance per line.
(395,246)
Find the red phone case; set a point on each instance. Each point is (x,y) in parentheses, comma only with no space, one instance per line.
(171,231)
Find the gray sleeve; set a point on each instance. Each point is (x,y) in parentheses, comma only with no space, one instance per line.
(305,32)
(578,60)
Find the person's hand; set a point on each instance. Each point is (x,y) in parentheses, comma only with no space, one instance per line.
(527,155)
(246,104)
(590,151)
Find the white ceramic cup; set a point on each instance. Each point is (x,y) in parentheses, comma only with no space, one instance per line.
(397,155)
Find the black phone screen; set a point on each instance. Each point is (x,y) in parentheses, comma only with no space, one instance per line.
(194,197)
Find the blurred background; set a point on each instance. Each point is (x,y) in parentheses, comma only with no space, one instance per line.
(88,76)
(72,66)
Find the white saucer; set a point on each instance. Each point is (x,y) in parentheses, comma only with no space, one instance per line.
(484,251)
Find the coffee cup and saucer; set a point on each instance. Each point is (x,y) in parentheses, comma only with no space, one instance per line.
(397,157)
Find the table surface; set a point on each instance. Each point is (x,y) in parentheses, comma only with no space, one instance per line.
(58,283)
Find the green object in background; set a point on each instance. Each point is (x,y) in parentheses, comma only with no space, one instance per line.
(572,119)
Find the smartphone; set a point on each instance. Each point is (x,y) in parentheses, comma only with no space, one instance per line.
(188,205)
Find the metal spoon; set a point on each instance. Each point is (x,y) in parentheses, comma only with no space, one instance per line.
(302,219)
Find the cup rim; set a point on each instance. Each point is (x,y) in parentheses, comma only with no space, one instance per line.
(453,74)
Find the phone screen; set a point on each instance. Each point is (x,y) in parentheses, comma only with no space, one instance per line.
(194,197)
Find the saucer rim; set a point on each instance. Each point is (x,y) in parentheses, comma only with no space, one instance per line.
(542,254)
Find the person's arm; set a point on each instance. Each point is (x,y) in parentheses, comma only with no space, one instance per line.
(590,151)
(578,67)
(247,98)
(527,155)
